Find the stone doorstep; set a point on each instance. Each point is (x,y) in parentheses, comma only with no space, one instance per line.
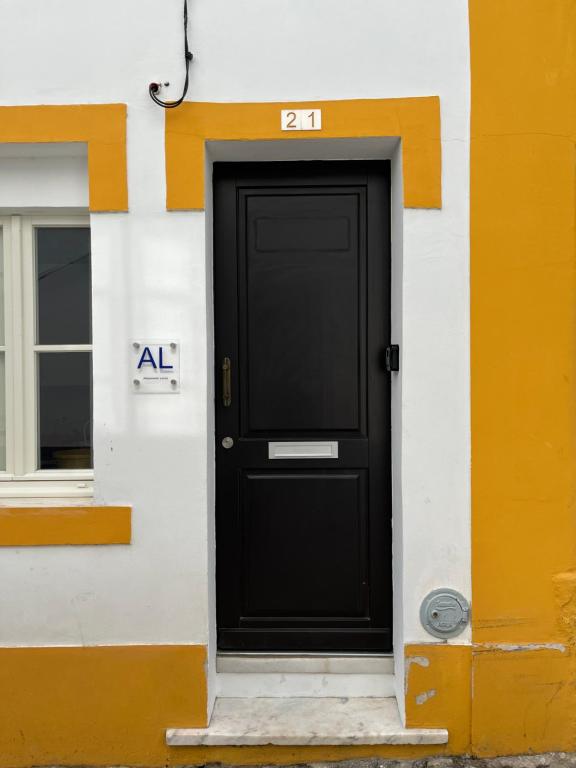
(304,721)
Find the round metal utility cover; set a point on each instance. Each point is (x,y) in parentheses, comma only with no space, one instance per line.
(444,613)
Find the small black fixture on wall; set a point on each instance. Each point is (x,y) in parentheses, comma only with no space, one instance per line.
(393,358)
(154,88)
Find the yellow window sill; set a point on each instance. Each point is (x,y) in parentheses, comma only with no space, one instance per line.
(64,525)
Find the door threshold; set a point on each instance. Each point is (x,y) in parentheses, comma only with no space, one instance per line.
(305,663)
(292,721)
(314,676)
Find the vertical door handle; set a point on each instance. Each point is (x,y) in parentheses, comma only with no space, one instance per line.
(226,382)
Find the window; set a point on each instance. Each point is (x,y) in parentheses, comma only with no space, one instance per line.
(45,357)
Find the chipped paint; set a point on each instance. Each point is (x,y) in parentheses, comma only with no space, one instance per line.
(565,594)
(423,697)
(510,647)
(439,690)
(421,660)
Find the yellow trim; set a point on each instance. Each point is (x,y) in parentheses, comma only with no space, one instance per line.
(47,526)
(415,120)
(101,126)
(523,353)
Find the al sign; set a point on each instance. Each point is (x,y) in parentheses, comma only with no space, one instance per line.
(155,367)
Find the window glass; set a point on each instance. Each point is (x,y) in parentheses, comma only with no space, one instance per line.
(2,411)
(65,410)
(63,285)
(2,339)
(2,361)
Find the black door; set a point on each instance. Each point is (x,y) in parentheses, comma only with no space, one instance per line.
(302,305)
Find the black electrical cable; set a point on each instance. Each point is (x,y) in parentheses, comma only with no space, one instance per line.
(153,88)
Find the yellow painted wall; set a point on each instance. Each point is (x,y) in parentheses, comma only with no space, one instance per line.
(97,706)
(523,283)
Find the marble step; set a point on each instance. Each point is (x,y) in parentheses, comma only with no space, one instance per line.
(304,721)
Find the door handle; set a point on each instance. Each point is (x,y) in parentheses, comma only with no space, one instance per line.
(226,382)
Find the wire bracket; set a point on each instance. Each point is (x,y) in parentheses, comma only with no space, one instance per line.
(154,88)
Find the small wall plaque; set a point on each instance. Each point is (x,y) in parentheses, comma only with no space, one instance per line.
(155,367)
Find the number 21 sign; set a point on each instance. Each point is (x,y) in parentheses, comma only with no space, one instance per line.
(301,119)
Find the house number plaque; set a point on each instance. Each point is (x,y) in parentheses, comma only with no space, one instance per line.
(301,119)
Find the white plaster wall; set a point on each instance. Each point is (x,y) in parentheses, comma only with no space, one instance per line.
(33,176)
(149,273)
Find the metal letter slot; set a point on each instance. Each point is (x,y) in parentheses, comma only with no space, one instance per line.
(226,383)
(306,450)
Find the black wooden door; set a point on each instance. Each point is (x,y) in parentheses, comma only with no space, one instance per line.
(302,306)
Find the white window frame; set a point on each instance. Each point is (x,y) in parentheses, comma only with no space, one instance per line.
(22,479)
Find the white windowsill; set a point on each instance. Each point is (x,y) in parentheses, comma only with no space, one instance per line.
(34,491)
(43,475)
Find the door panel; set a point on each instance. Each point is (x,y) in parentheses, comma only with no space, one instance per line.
(303,316)
(298,529)
(302,304)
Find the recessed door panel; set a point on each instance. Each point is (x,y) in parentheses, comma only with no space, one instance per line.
(298,529)
(303,320)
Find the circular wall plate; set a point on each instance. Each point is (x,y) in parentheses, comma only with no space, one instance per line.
(444,612)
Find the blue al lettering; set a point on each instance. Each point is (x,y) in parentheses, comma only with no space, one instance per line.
(147,358)
(161,359)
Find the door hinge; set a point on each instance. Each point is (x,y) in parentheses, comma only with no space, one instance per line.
(393,357)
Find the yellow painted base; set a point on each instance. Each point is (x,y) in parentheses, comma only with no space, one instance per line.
(111,705)
(494,700)
(273,755)
(97,706)
(437,686)
(523,701)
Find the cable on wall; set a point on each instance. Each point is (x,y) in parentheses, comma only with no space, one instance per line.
(154,88)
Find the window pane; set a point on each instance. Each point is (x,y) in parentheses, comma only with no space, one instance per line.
(65,410)
(63,285)
(2,235)
(2,411)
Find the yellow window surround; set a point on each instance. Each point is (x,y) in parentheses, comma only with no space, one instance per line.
(415,120)
(101,126)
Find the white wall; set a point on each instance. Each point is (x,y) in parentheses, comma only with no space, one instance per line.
(34,175)
(149,274)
